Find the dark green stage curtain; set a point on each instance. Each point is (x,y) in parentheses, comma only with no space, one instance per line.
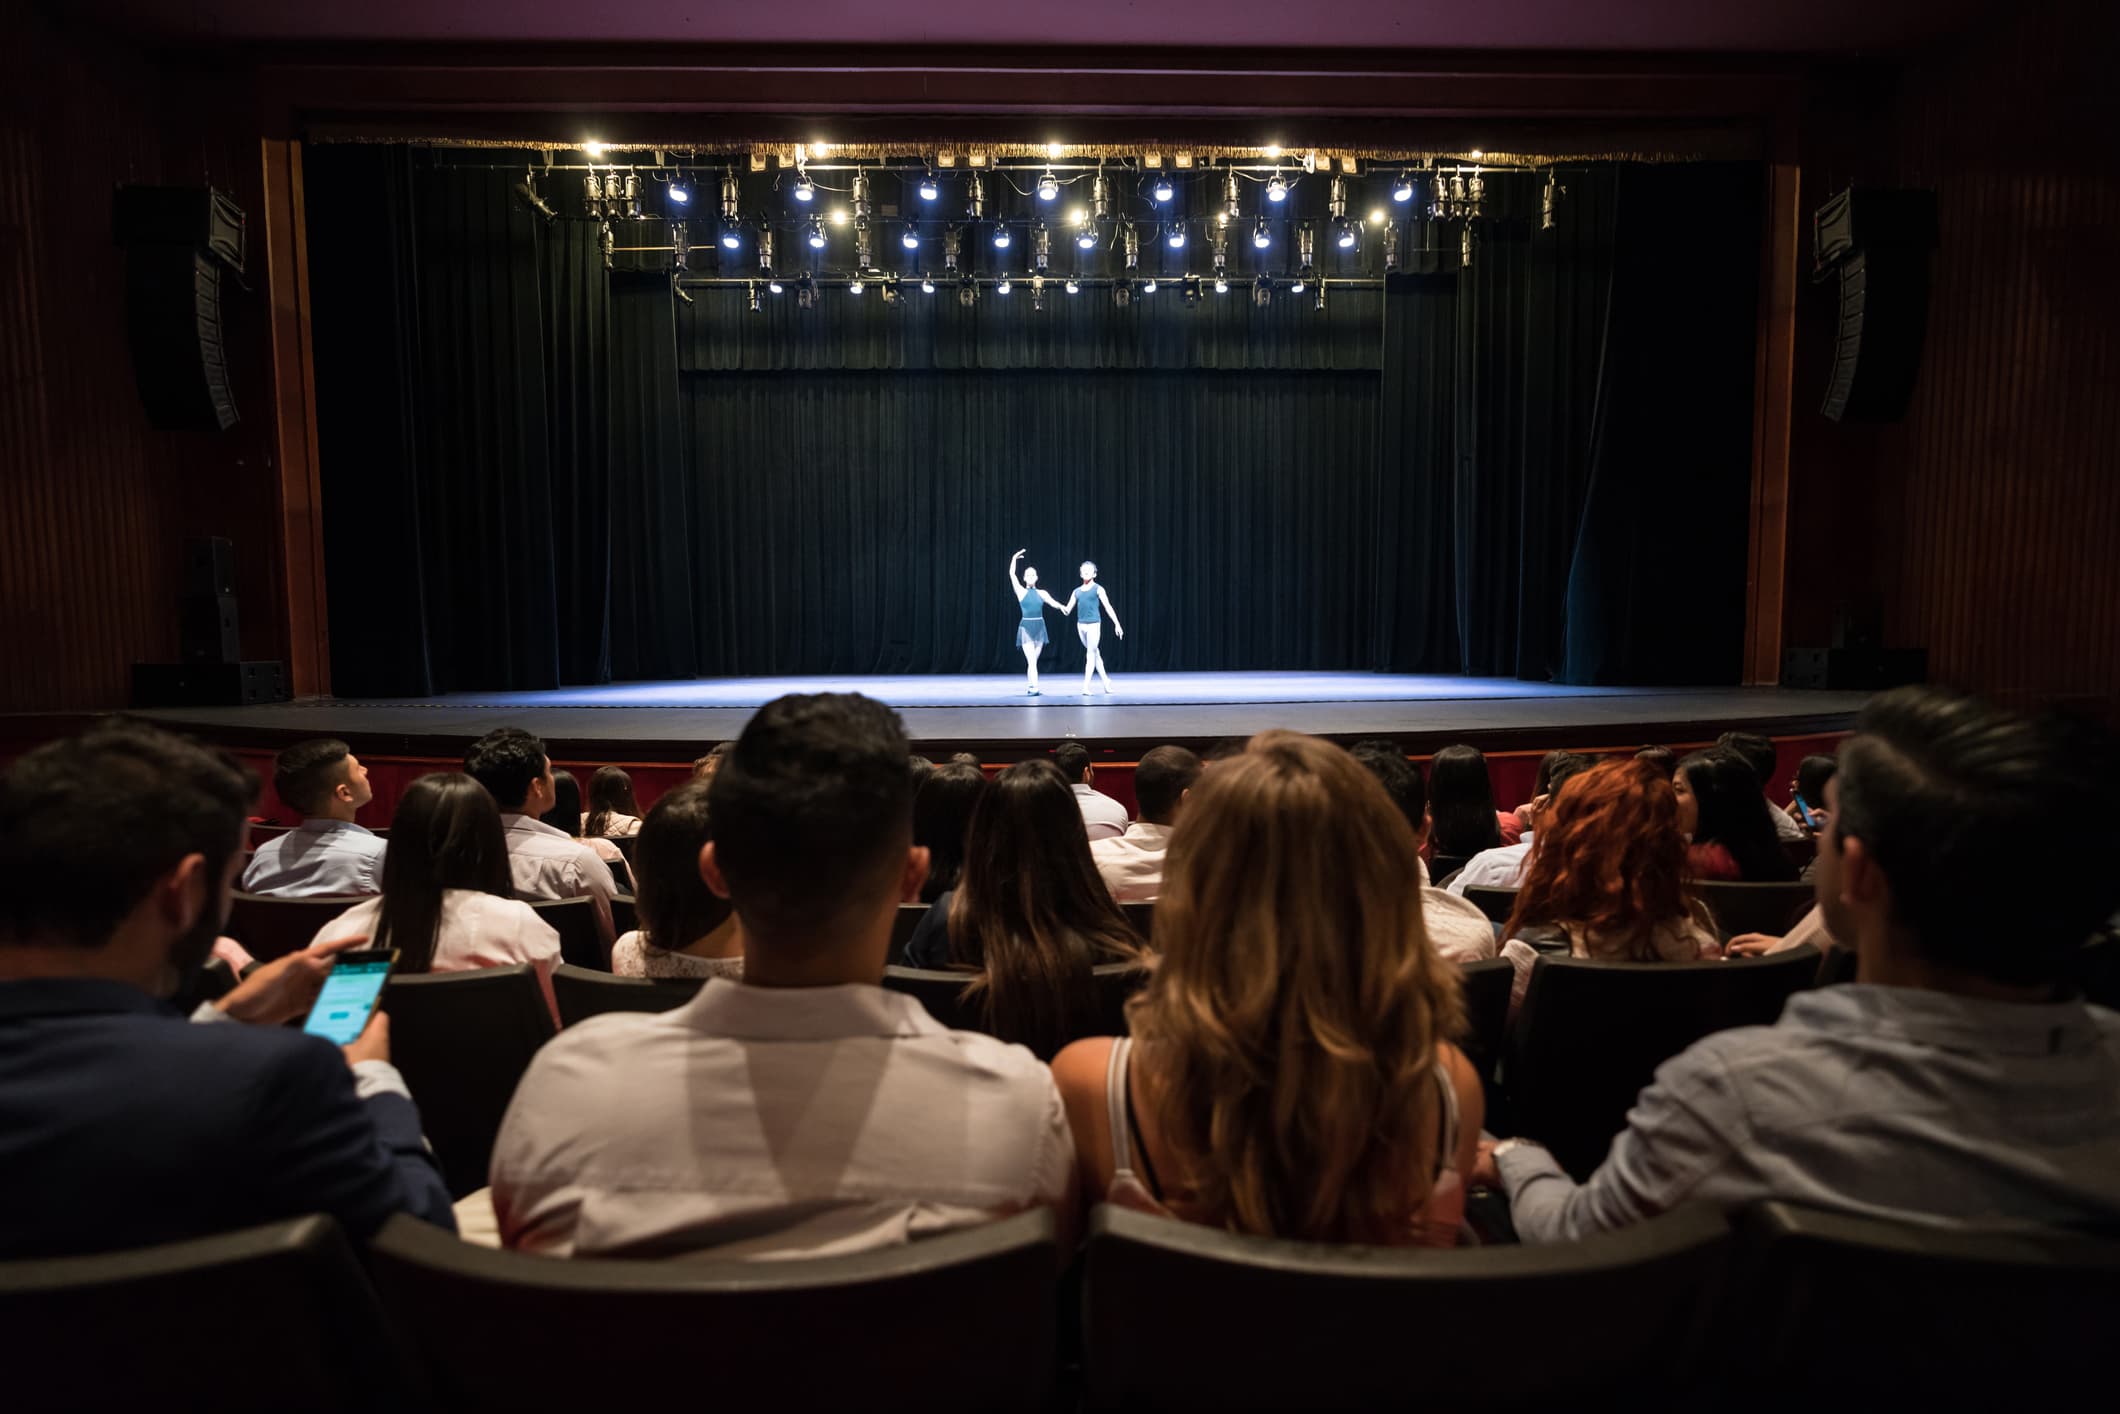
(652,598)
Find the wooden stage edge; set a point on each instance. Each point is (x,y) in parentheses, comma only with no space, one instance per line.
(1541,719)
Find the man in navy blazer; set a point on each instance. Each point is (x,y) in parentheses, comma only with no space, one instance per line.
(124,1121)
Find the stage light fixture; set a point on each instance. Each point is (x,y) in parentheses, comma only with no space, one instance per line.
(731,237)
(1163,190)
(929,187)
(864,252)
(806,292)
(968,292)
(1037,292)
(607,242)
(1391,247)
(1086,238)
(1378,216)
(1002,286)
(816,234)
(805,189)
(861,194)
(633,195)
(1276,189)
(1100,196)
(911,239)
(952,242)
(679,193)
(975,197)
(1074,287)
(1048,187)
(1001,237)
(1232,206)
(1122,294)
(527,190)
(731,195)
(593,193)
(1272,151)
(592,148)
(1320,306)
(1076,216)
(1262,291)
(854,286)
(1148,287)
(1041,245)
(1175,237)
(1346,235)
(1402,189)
(927,284)
(1190,289)
(1549,199)
(680,246)
(1298,284)
(756,306)
(1221,284)
(1260,236)
(839,216)
(765,249)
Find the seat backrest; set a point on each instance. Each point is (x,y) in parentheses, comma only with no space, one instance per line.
(628,846)
(625,914)
(1754,908)
(1116,984)
(909,918)
(582,994)
(942,993)
(1443,866)
(1372,1327)
(963,1320)
(1142,916)
(139,1329)
(462,1040)
(1841,1311)
(1485,987)
(274,927)
(1591,1034)
(574,919)
(1497,904)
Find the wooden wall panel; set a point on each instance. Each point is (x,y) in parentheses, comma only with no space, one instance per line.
(94,504)
(1991,533)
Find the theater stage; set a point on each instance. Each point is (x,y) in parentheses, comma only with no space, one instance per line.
(668,721)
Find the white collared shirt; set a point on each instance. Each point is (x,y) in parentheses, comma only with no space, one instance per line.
(1104,817)
(475,930)
(773,1122)
(1132,861)
(1500,868)
(551,864)
(321,857)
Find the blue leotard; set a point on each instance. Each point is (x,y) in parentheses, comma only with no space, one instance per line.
(1032,609)
(1088,608)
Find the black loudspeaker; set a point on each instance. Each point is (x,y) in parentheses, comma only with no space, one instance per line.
(1877,244)
(209,565)
(193,217)
(1853,669)
(207,684)
(173,319)
(206,631)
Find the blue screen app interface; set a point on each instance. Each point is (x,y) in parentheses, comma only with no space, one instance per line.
(347,997)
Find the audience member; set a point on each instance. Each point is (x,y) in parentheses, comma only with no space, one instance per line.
(328,853)
(1029,915)
(1503,868)
(965,758)
(1541,784)
(567,816)
(448,903)
(686,929)
(1607,878)
(1456,929)
(545,863)
(1757,752)
(942,812)
(1724,819)
(1461,804)
(1663,758)
(921,768)
(1132,864)
(1809,789)
(613,812)
(703,767)
(1289,1072)
(1951,1082)
(707,1127)
(1103,817)
(125,1125)
(1228,748)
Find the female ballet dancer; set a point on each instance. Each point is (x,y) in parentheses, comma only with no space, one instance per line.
(1030,634)
(1089,623)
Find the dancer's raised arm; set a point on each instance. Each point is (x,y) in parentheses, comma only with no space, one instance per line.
(1013,582)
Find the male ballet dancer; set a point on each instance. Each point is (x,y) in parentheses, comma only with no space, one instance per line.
(1093,603)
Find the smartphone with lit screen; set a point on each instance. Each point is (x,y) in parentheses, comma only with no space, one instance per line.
(351,991)
(1803,812)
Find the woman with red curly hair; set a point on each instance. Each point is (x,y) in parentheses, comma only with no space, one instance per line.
(1607,877)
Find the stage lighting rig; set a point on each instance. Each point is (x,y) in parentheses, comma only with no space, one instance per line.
(1262,291)
(967,292)
(816,233)
(1003,285)
(1122,294)
(927,284)
(1276,189)
(861,195)
(1232,203)
(527,190)
(1001,235)
(1548,200)
(1476,195)
(765,249)
(952,243)
(1261,238)
(731,195)
(1320,306)
(1402,189)
(607,242)
(1100,196)
(1162,190)
(864,253)
(805,189)
(806,291)
(975,198)
(1343,231)
(1148,286)
(1391,246)
(757,306)
(911,237)
(633,195)
(1174,235)
(593,194)
(1038,293)
(1074,286)
(1041,245)
(1130,243)
(680,246)
(1048,186)
(929,187)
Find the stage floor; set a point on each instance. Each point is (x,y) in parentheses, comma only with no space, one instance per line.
(668,719)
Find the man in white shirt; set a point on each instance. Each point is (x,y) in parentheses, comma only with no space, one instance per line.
(805,1110)
(1456,929)
(1503,867)
(329,854)
(1103,817)
(1132,863)
(545,863)
(1758,753)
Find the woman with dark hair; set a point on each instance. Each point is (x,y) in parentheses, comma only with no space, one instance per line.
(1725,819)
(1461,805)
(448,903)
(1663,758)
(613,812)
(1608,878)
(566,816)
(686,929)
(1030,913)
(942,812)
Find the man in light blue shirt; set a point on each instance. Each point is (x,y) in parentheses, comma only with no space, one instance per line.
(329,854)
(1953,1081)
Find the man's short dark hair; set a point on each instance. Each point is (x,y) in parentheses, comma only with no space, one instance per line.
(89,823)
(1663,758)
(507,761)
(1072,757)
(1401,779)
(305,774)
(1162,779)
(1996,832)
(1756,750)
(1566,768)
(812,806)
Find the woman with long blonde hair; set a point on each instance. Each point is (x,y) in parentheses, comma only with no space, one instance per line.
(1288,1072)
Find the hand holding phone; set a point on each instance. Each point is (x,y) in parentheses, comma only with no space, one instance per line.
(350,994)
(1803,812)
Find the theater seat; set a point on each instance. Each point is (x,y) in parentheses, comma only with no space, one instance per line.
(1485,988)
(1590,1035)
(462,1040)
(1625,1313)
(625,915)
(941,992)
(1497,904)
(269,1318)
(909,917)
(959,1321)
(1142,916)
(270,927)
(1754,908)
(582,993)
(1836,1311)
(580,941)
